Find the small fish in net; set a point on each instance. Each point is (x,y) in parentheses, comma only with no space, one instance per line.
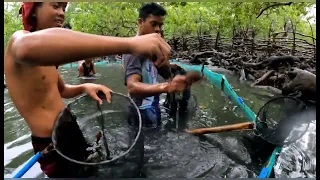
(96,151)
(98,140)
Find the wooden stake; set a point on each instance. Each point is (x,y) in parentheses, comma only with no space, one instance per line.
(225,128)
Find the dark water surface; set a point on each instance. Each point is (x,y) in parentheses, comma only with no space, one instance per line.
(169,153)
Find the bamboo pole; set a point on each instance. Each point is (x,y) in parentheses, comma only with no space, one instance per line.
(225,128)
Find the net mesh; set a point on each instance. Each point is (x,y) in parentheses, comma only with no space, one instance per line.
(282,120)
(179,111)
(115,148)
(189,105)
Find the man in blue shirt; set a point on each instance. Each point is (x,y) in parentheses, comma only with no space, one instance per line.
(141,76)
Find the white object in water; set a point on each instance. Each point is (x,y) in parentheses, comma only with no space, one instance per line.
(91,77)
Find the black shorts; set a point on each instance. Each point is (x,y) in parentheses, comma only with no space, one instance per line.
(70,142)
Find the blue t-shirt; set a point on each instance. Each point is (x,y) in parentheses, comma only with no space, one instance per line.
(149,75)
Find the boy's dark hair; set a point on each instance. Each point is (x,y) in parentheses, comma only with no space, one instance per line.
(33,20)
(151,8)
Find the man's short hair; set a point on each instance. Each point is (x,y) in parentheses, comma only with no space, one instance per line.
(151,8)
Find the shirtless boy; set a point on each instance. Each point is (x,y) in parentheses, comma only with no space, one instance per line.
(34,84)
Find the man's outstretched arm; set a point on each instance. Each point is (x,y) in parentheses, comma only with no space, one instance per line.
(137,88)
(56,46)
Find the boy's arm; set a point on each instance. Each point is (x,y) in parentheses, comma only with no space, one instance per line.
(69,91)
(55,46)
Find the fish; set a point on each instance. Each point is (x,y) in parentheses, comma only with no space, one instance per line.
(95,154)
(98,136)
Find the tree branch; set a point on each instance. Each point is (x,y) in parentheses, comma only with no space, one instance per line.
(304,35)
(273,5)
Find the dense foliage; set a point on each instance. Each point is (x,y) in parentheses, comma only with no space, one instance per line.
(184,18)
(12,22)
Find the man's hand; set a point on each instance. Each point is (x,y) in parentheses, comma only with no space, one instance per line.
(152,46)
(92,90)
(178,84)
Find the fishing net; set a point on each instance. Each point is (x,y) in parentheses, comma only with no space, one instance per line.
(189,104)
(282,120)
(179,111)
(180,106)
(115,148)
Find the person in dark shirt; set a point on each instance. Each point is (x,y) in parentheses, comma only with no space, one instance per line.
(87,68)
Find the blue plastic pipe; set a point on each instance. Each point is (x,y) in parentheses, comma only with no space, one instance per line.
(26,168)
(266,171)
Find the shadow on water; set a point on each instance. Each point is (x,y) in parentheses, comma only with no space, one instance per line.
(171,153)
